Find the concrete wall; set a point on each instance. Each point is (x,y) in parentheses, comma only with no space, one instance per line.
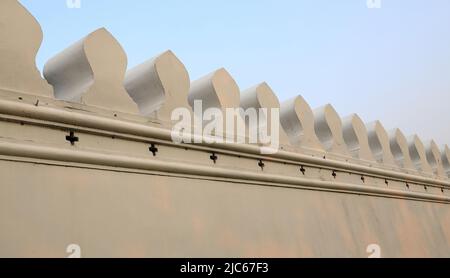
(116,214)
(87,158)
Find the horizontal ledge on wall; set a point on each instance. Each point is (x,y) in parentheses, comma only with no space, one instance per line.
(75,118)
(32,151)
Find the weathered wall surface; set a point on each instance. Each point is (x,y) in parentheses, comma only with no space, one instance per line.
(109,214)
(87,157)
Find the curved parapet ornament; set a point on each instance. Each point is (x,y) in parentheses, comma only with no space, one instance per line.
(20,39)
(400,149)
(446,159)
(262,96)
(159,85)
(92,72)
(328,127)
(356,138)
(434,158)
(216,90)
(418,154)
(379,143)
(297,120)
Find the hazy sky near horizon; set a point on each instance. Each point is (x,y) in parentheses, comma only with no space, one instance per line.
(390,64)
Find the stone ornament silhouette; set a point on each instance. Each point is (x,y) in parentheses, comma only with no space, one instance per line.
(356,138)
(434,158)
(297,119)
(262,96)
(216,90)
(400,149)
(159,85)
(20,40)
(418,155)
(379,143)
(92,72)
(328,127)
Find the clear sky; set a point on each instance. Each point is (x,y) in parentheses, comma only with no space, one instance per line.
(391,63)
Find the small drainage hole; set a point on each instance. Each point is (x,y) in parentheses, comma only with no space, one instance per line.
(261,164)
(303,170)
(334,174)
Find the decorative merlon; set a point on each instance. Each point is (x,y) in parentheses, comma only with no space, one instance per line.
(297,119)
(328,127)
(418,154)
(356,138)
(92,72)
(20,40)
(262,96)
(379,143)
(216,90)
(159,85)
(434,158)
(400,149)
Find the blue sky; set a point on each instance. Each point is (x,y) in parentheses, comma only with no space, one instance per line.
(391,64)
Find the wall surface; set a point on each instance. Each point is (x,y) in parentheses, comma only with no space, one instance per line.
(116,214)
(89,165)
